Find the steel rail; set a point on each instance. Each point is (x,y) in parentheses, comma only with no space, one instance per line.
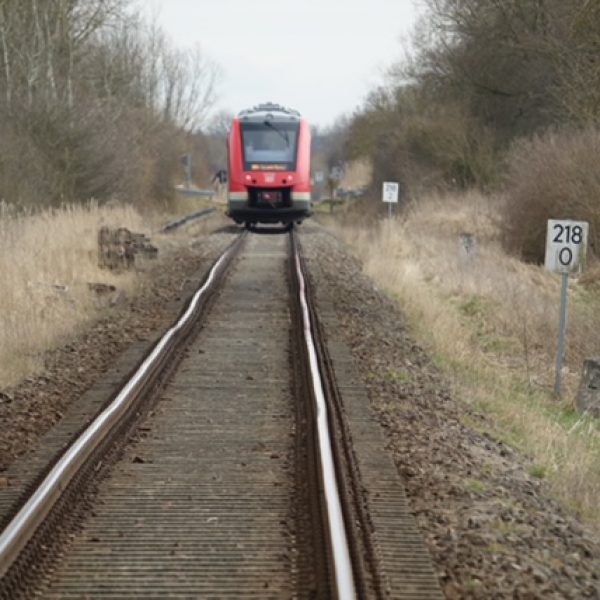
(23,526)
(342,564)
(201,214)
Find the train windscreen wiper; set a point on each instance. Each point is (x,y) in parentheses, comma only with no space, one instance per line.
(283,134)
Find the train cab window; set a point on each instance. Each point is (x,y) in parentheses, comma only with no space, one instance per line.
(270,145)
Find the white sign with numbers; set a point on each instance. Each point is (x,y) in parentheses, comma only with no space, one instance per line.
(566,245)
(390,191)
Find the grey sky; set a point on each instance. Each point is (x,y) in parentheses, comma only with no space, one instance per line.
(319,56)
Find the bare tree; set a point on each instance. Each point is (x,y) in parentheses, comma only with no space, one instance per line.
(95,101)
(41,43)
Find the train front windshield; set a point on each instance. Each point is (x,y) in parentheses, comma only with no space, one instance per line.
(270,146)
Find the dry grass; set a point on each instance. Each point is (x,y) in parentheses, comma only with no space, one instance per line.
(46,262)
(491,322)
(357,173)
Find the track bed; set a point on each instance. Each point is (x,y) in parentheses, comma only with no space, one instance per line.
(200,503)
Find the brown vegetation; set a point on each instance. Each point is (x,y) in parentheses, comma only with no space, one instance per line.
(54,284)
(486,75)
(47,262)
(551,176)
(94,103)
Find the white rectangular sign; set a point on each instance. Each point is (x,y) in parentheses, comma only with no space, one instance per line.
(390,191)
(566,245)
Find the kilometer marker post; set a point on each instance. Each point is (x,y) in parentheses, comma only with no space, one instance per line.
(566,248)
(562,333)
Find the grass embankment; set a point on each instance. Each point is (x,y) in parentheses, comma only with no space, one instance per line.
(490,322)
(47,261)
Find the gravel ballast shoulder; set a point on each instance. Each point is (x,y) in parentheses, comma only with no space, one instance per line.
(493,531)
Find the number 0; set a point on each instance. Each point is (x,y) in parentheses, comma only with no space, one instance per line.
(565,256)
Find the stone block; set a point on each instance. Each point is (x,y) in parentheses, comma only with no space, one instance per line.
(588,396)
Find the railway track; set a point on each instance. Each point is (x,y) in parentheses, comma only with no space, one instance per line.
(238,460)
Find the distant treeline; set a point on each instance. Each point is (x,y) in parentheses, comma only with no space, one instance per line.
(94,103)
(491,93)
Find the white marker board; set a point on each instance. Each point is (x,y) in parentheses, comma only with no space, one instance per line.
(390,191)
(566,245)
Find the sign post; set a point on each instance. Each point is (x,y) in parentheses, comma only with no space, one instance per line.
(186,161)
(566,247)
(390,194)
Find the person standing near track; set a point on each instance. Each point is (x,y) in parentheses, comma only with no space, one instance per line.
(218,180)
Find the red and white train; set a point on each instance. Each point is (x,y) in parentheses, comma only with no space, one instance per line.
(269,166)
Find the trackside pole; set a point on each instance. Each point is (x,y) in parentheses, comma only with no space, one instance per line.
(566,248)
(562,327)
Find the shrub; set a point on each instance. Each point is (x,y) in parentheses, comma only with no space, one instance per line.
(555,175)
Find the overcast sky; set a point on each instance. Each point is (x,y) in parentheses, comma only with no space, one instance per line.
(319,56)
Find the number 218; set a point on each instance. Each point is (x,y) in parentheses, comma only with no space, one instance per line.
(572,234)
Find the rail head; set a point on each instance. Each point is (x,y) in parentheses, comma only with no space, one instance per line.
(343,569)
